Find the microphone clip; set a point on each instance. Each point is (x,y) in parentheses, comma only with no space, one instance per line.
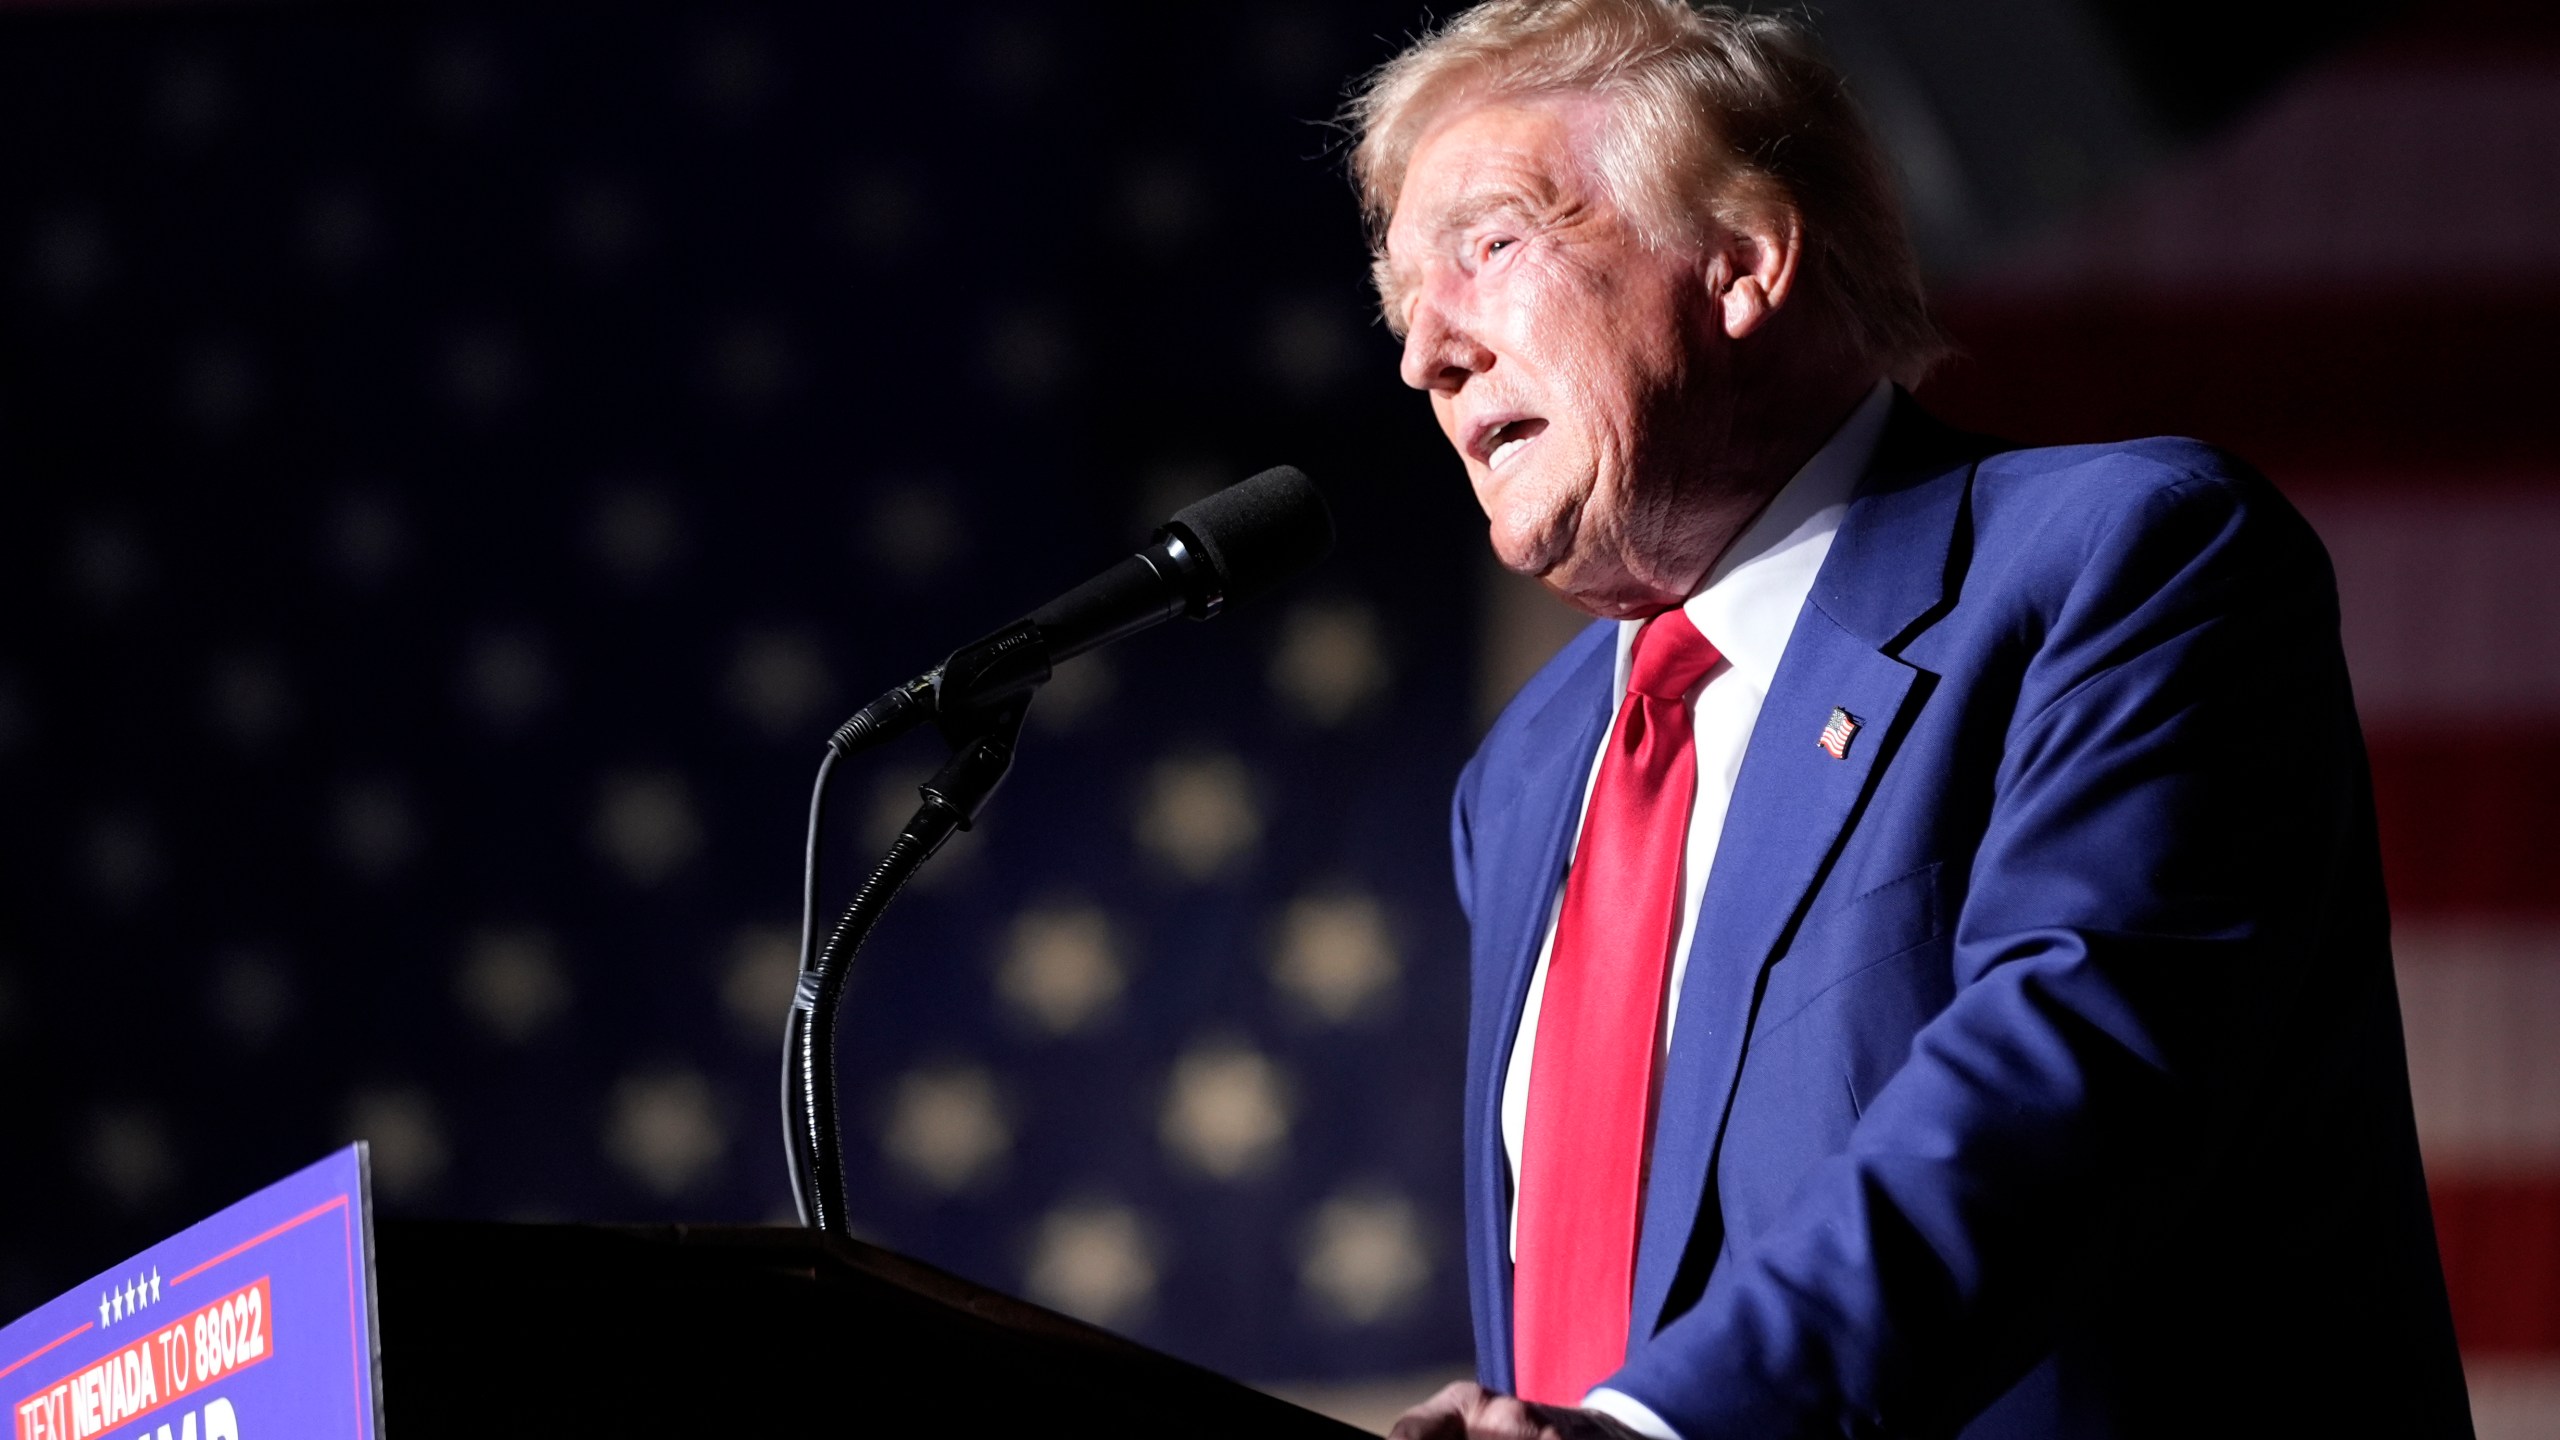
(983,676)
(970,689)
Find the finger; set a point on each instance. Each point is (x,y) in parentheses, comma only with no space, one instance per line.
(1442,1417)
(1501,1417)
(1422,1422)
(1562,1423)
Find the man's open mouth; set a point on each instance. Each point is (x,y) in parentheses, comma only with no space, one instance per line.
(1509,437)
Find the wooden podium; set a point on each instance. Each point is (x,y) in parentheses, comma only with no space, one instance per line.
(612,1331)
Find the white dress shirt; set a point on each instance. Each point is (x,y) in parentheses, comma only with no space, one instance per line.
(1747,609)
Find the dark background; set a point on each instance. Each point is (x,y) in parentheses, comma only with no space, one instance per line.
(459,461)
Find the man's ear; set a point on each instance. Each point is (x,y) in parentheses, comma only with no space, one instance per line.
(1757,270)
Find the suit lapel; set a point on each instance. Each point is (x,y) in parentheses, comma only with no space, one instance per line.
(1536,819)
(1525,834)
(1800,803)
(1794,804)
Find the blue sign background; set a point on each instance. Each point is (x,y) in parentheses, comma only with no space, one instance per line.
(310,1237)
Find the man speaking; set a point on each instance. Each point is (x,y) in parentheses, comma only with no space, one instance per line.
(1930,964)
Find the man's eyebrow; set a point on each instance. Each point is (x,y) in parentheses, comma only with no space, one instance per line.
(1463,213)
(1481,205)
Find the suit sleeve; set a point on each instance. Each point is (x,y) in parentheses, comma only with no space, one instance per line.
(2171,817)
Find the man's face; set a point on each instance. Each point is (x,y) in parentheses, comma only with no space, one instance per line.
(1572,366)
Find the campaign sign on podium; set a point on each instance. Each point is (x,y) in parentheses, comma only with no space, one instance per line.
(256,1324)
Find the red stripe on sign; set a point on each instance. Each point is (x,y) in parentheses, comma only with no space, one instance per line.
(2462,813)
(46,1348)
(334,1202)
(2501,1243)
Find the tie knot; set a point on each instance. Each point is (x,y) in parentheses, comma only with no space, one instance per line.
(1671,657)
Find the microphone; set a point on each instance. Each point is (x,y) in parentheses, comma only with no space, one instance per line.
(1231,547)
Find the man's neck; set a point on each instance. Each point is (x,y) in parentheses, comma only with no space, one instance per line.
(1794,422)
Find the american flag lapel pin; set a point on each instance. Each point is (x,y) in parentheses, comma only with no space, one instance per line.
(1838,732)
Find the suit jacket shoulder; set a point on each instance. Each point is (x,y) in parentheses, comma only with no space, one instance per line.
(2069,505)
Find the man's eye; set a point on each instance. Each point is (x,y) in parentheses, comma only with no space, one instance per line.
(1496,247)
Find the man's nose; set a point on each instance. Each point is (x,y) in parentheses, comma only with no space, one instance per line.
(1439,354)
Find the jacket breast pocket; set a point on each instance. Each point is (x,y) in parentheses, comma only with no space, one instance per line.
(1835,1023)
(1839,945)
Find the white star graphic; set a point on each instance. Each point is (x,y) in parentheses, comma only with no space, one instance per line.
(117,1296)
(104,1319)
(155,1284)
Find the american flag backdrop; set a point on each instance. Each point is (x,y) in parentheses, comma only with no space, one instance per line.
(462,461)
(2357,288)
(459,461)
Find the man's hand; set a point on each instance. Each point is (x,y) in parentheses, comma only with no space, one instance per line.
(1468,1411)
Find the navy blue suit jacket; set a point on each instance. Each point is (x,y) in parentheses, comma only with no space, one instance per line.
(2039,1068)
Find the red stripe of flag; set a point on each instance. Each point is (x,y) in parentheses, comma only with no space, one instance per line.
(2462,812)
(2501,1244)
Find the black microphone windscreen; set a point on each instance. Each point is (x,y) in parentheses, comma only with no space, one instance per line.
(1260,531)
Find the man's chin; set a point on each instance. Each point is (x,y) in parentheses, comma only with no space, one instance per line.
(1537,556)
(1540,548)
(1605,591)
(1606,605)
(1551,562)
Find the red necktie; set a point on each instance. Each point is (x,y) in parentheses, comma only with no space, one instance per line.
(1591,1075)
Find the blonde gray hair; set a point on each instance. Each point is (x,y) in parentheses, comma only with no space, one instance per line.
(1712,113)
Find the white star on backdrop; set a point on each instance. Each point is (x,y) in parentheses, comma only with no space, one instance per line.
(339,232)
(1197,814)
(1361,1256)
(1094,1260)
(637,532)
(756,984)
(406,1133)
(912,531)
(1310,343)
(1330,662)
(106,564)
(599,224)
(365,538)
(880,212)
(1062,970)
(1027,355)
(484,369)
(127,1154)
(645,824)
(69,257)
(1336,959)
(507,678)
(512,983)
(752,363)
(248,700)
(947,1127)
(218,385)
(373,828)
(120,856)
(1227,1109)
(251,996)
(779,681)
(665,1129)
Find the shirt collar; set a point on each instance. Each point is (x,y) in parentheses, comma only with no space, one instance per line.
(1748,604)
